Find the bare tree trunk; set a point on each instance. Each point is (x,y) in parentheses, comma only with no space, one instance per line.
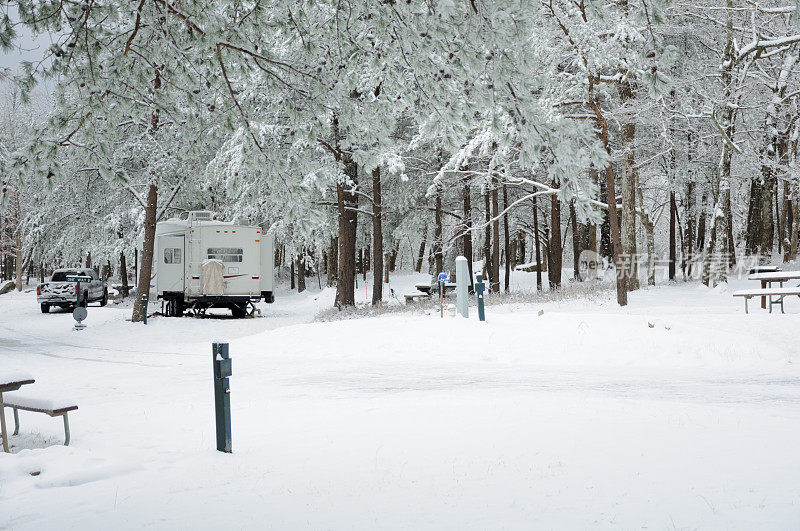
(536,245)
(145,273)
(606,247)
(785,216)
(793,225)
(576,244)
(628,234)
(649,231)
(123,273)
(377,238)
(767,233)
(393,257)
(672,256)
(348,223)
(421,253)
(17,235)
(495,275)
(437,235)
(689,233)
(18,245)
(333,261)
(700,243)
(301,272)
(507,280)
(719,261)
(613,220)
(19,265)
(554,246)
(487,234)
(468,231)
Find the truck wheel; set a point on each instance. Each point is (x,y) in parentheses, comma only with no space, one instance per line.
(45,308)
(104,300)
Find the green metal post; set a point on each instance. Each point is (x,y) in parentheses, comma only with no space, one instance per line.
(479,289)
(222,396)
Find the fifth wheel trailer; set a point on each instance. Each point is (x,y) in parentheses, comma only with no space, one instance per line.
(201,263)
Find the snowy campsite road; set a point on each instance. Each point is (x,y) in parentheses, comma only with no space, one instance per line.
(676,412)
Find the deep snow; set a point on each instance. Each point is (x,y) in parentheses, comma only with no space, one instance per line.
(678,411)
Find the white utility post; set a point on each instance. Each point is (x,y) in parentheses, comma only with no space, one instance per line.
(462,286)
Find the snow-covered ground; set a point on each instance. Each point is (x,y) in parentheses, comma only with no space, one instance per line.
(678,411)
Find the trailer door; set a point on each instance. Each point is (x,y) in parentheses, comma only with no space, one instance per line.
(171,263)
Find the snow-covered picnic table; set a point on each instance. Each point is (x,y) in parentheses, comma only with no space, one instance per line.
(10,381)
(773,276)
(430,289)
(767,292)
(776,276)
(425,291)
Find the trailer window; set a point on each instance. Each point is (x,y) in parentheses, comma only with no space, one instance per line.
(172,255)
(226,254)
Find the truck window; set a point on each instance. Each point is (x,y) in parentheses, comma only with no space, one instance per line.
(172,255)
(61,276)
(226,254)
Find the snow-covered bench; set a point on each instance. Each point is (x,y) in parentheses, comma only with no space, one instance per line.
(54,408)
(412,297)
(775,295)
(430,289)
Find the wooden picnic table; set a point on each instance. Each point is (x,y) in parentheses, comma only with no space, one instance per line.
(767,279)
(10,382)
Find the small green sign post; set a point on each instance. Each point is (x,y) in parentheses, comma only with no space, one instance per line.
(222,395)
(479,289)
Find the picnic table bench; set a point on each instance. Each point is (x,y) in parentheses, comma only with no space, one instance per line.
(430,289)
(411,297)
(426,291)
(9,382)
(768,293)
(774,295)
(54,408)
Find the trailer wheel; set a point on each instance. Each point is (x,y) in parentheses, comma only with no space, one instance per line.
(175,307)
(239,311)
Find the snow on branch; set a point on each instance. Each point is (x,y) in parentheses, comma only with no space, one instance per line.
(762,44)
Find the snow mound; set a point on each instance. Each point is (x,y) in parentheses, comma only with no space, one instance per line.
(721,288)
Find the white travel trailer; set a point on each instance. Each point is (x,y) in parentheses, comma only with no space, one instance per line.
(201,263)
